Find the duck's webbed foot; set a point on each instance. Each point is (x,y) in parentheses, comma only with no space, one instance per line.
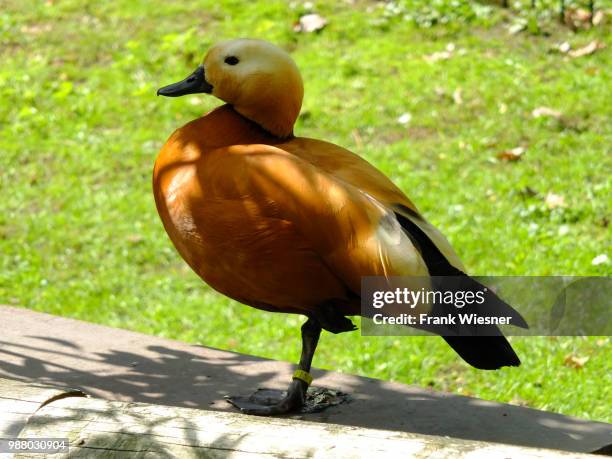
(267,402)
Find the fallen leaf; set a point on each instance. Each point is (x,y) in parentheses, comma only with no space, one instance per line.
(553,200)
(309,23)
(457,96)
(577,18)
(440,92)
(438,56)
(357,138)
(600,260)
(405,118)
(587,50)
(35,29)
(514,154)
(517,27)
(582,15)
(195,101)
(447,53)
(574,361)
(516,400)
(134,238)
(545,111)
(598,17)
(565,47)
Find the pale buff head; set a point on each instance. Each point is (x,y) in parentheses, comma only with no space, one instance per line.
(260,80)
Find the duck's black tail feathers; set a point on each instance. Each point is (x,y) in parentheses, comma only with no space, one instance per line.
(489,351)
(484,352)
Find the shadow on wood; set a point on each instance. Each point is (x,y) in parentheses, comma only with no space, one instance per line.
(95,427)
(121,365)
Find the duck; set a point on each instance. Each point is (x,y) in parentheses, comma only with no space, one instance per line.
(289,224)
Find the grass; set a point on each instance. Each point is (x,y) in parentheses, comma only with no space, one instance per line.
(80,128)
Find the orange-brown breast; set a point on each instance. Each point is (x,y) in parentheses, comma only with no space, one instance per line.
(280,225)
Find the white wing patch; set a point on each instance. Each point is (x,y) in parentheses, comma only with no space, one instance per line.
(397,253)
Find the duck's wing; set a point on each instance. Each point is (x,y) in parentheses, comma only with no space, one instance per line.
(346,166)
(351,231)
(354,232)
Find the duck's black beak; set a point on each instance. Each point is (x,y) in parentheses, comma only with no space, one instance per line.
(194,83)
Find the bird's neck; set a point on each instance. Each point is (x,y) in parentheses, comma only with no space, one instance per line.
(225,126)
(271,119)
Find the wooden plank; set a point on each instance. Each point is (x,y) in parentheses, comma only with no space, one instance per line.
(99,428)
(19,400)
(115,364)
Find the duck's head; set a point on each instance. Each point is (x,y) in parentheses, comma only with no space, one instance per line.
(258,79)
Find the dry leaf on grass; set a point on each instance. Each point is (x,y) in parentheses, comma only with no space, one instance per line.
(601,259)
(598,17)
(565,47)
(357,138)
(310,23)
(545,111)
(440,92)
(587,50)
(438,56)
(517,27)
(518,401)
(404,119)
(553,200)
(573,361)
(458,96)
(514,154)
(577,18)
(442,55)
(35,29)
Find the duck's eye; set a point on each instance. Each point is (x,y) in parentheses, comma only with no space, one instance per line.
(231,60)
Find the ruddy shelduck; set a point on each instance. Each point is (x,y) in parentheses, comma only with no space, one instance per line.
(289,224)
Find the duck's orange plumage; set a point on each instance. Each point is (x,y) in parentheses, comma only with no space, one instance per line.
(278,222)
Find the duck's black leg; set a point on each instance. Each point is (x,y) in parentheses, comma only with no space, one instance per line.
(268,403)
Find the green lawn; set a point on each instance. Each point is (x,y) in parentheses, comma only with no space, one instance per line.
(80,127)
